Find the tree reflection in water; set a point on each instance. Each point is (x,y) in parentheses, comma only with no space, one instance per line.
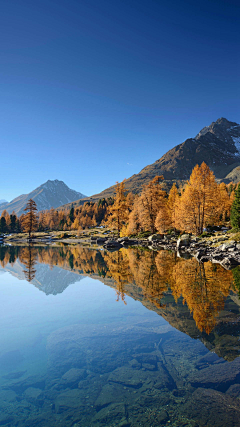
(203,287)
(28,257)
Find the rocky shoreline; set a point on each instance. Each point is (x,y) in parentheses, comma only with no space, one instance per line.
(221,248)
(227,253)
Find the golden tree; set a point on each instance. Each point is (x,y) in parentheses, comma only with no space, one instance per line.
(119,211)
(163,220)
(30,219)
(151,200)
(196,207)
(134,225)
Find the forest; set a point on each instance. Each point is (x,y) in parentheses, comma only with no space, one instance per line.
(201,203)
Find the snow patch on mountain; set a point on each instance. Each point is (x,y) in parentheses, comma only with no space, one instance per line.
(237,144)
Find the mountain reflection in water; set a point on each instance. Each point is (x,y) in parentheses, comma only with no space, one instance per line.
(192,296)
(77,358)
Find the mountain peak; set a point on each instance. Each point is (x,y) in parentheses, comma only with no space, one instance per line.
(218,145)
(51,194)
(218,128)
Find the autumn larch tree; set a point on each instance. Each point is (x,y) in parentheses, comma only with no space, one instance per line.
(166,217)
(119,211)
(30,219)
(197,204)
(152,199)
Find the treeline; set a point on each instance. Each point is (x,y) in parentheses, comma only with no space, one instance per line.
(86,216)
(200,204)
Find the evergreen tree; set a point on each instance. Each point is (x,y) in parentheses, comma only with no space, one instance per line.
(71,214)
(3,225)
(13,221)
(235,210)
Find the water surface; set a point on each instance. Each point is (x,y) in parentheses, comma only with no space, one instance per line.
(126,338)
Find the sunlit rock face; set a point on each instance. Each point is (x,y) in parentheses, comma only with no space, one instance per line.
(218,145)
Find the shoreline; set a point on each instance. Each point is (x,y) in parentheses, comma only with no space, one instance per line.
(220,248)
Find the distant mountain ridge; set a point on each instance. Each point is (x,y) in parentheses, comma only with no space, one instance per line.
(218,145)
(49,195)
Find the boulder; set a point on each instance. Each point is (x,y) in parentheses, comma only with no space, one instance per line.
(72,377)
(112,244)
(101,240)
(200,254)
(183,240)
(122,239)
(155,238)
(217,376)
(229,263)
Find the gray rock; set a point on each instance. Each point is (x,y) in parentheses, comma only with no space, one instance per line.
(183,240)
(155,237)
(229,263)
(101,240)
(111,243)
(122,239)
(227,246)
(200,254)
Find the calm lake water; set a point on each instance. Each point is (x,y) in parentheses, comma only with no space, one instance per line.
(127,338)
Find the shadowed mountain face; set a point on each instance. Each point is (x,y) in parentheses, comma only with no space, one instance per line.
(49,195)
(198,299)
(218,145)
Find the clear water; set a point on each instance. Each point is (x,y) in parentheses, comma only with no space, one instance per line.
(130,338)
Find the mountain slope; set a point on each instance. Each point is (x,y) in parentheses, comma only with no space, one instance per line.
(218,145)
(48,195)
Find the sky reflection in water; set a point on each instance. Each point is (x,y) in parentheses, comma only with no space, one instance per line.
(73,356)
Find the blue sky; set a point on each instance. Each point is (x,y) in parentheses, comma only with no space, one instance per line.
(91,91)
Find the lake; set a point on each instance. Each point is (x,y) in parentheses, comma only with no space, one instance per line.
(127,338)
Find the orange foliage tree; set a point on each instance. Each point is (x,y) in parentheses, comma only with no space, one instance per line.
(196,206)
(119,211)
(151,200)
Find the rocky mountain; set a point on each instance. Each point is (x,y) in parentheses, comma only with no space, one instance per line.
(3,201)
(218,145)
(51,194)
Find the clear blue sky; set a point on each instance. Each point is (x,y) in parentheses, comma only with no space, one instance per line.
(92,91)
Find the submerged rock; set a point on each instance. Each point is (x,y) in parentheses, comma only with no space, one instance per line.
(212,408)
(72,377)
(218,376)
